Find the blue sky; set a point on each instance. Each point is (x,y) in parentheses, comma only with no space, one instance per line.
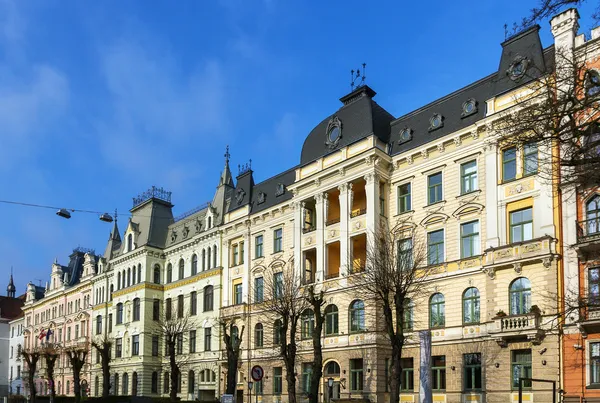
(101,100)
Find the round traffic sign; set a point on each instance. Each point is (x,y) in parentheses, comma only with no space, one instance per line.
(257,373)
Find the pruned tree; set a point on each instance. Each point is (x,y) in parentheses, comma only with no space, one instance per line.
(316,300)
(50,354)
(31,357)
(232,338)
(77,355)
(284,301)
(173,328)
(548,8)
(103,346)
(395,276)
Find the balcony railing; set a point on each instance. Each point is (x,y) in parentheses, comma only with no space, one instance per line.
(332,221)
(517,326)
(329,276)
(308,229)
(588,229)
(358,212)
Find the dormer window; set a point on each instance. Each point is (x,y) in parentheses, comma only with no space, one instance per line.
(333,132)
(261,197)
(280,189)
(435,122)
(592,83)
(518,68)
(239,196)
(129,242)
(209,223)
(405,135)
(469,107)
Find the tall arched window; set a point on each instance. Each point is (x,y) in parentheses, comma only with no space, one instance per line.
(208,261)
(156,274)
(209,222)
(592,215)
(68,387)
(214,256)
(208,298)
(332,369)
(96,386)
(154,387)
(203,259)
(119,313)
(437,310)
(118,280)
(471,305)
(357,316)
(520,296)
(181,268)
(331,320)
(111,292)
(134,274)
(169,273)
(136,309)
(258,335)
(166,382)
(134,384)
(191,382)
(308,323)
(592,83)
(128,276)
(125,384)
(277,332)
(129,242)
(115,386)
(139,273)
(194,264)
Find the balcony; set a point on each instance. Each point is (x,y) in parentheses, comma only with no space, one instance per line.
(588,237)
(590,320)
(541,249)
(358,212)
(308,228)
(517,327)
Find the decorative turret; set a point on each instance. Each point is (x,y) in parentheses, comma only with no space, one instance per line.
(11,289)
(30,292)
(114,241)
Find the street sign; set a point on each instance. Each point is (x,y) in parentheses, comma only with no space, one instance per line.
(257,373)
(227,399)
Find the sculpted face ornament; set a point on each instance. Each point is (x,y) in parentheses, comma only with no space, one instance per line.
(518,68)
(261,197)
(239,196)
(333,132)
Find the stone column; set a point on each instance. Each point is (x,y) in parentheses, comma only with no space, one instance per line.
(320,238)
(297,228)
(345,191)
(372,194)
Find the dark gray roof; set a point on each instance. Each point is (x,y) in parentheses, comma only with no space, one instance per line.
(151,220)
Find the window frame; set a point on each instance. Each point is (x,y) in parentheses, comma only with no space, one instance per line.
(470,372)
(475,306)
(514,383)
(527,154)
(356,315)
(259,335)
(438,374)
(524,295)
(259,290)
(470,178)
(440,308)
(506,162)
(258,246)
(594,300)
(277,240)
(357,376)
(435,187)
(407,375)
(404,200)
(520,224)
(437,244)
(472,238)
(332,324)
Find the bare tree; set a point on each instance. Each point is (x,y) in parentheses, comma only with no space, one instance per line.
(548,8)
(173,328)
(31,356)
(316,299)
(285,302)
(103,346)
(77,357)
(50,354)
(394,277)
(232,338)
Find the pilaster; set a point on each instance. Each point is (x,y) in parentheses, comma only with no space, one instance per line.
(345,195)
(492,238)
(320,211)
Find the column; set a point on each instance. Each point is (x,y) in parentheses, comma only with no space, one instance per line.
(372,194)
(492,238)
(320,241)
(246,277)
(225,286)
(297,229)
(345,191)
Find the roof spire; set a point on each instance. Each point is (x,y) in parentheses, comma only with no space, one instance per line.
(227,155)
(114,240)
(11,289)
(226,178)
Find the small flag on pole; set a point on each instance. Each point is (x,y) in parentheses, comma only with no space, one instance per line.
(42,334)
(48,334)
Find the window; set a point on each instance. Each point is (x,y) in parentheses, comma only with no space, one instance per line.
(154,346)
(435,247)
(592,216)
(203,259)
(258,335)
(530,159)
(118,347)
(357,316)
(99,324)
(169,273)
(308,323)
(129,242)
(207,338)
(110,322)
(192,341)
(408,314)
(154,387)
(194,264)
(471,305)
(438,372)
(180,306)
(307,370)
(472,366)
(179,343)
(404,199)
(156,309)
(214,255)
(235,333)
(119,313)
(278,240)
(258,246)
(278,380)
(437,310)
(595,364)
(241,253)
(434,188)
(135,344)
(191,382)
(468,177)
(407,379)
(592,83)
(594,286)
(258,289)
(332,368)
(509,163)
(405,254)
(521,225)
(168,308)
(520,367)
(237,294)
(156,275)
(136,309)
(356,375)
(469,239)
(258,387)
(166,383)
(520,296)
(277,328)
(235,257)
(181,269)
(331,320)
(208,298)
(125,390)
(278,285)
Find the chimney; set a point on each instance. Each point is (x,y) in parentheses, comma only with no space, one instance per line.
(564,29)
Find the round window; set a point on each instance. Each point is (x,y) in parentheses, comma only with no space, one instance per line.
(436,121)
(405,135)
(334,134)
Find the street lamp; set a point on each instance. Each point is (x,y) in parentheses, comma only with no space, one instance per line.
(249,391)
(330,384)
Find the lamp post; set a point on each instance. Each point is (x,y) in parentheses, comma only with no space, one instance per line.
(330,389)
(250,391)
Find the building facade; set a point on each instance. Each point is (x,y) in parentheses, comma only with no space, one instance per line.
(15,362)
(10,309)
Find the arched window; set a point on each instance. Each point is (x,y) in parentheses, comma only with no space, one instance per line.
(277,327)
(471,305)
(156,274)
(119,313)
(258,335)
(520,296)
(308,323)
(134,274)
(118,280)
(202,377)
(357,316)
(592,215)
(194,264)
(125,384)
(208,298)
(203,259)
(332,368)
(128,276)
(592,83)
(437,310)
(331,320)
(214,256)
(169,273)
(181,268)
(129,242)
(166,383)
(191,382)
(208,261)
(111,292)
(134,384)
(136,309)
(154,387)
(69,387)
(209,222)
(139,273)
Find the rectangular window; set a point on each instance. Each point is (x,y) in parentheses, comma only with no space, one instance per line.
(259,289)
(110,321)
(404,199)
(192,341)
(306,375)
(472,366)
(509,164)
(278,284)
(236,254)
(154,346)
(156,309)
(98,324)
(207,338)
(382,199)
(468,177)
(530,159)
(237,294)
(595,364)
(407,380)
(258,246)
(434,188)
(594,286)
(435,247)
(521,367)
(521,225)
(135,344)
(278,240)
(438,372)
(278,380)
(193,303)
(179,345)
(180,306)
(168,308)
(405,254)
(241,252)
(118,347)
(469,239)
(356,375)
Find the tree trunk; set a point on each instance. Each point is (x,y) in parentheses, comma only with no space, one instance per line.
(105,356)
(317,368)
(77,384)
(232,365)
(50,361)
(290,362)
(30,375)
(174,370)
(396,375)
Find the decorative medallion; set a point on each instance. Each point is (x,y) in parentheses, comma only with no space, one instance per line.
(173,236)
(435,122)
(186,231)
(333,132)
(280,189)
(261,197)
(469,107)
(518,68)
(239,196)
(405,135)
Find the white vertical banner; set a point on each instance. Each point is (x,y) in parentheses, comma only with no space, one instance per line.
(425,395)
